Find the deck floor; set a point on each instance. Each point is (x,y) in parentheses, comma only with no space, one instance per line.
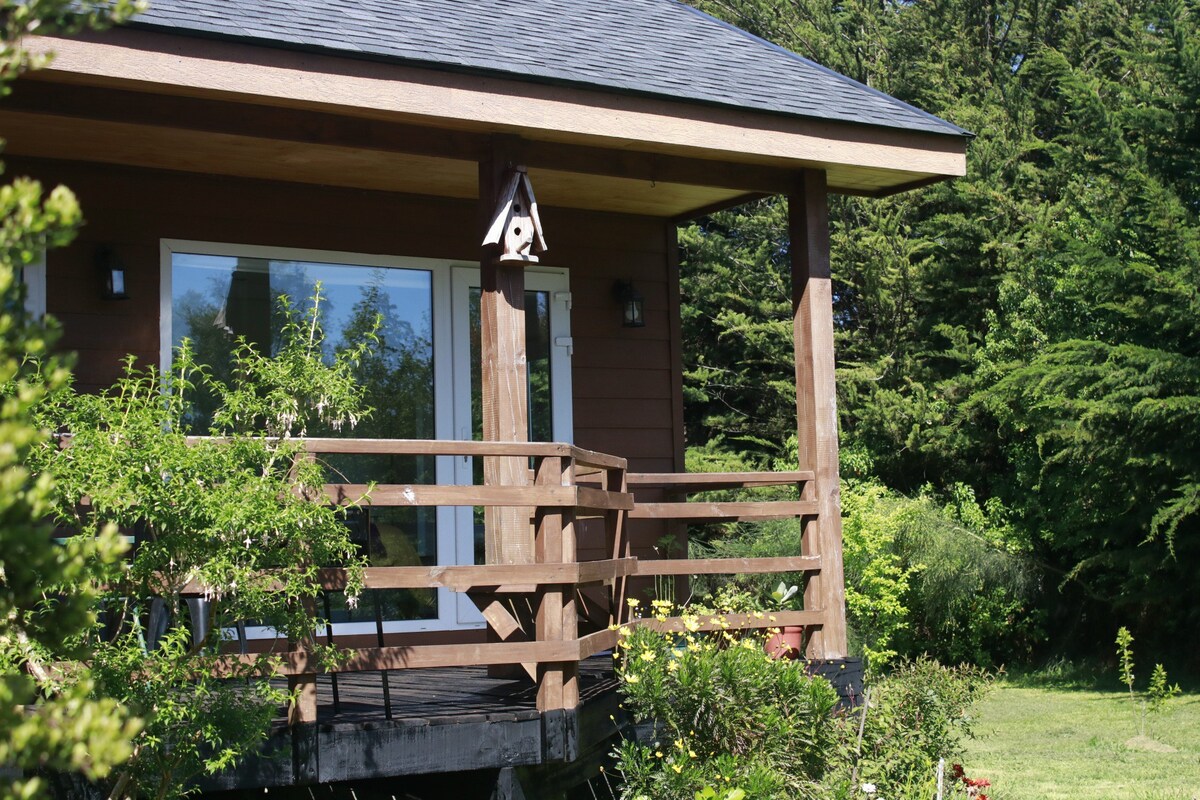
(443,696)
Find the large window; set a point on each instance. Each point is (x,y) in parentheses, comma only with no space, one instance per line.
(421,380)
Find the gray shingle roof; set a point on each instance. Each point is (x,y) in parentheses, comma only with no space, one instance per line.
(649,47)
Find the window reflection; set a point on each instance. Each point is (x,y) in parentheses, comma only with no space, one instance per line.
(216,299)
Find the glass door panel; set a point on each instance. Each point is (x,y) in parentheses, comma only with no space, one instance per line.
(421,379)
(216,299)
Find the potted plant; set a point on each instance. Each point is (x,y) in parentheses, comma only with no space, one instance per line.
(787,640)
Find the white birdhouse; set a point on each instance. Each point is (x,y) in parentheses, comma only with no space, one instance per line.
(515,224)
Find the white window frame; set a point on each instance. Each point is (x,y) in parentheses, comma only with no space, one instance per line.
(450,281)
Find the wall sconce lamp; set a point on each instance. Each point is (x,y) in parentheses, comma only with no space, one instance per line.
(112,275)
(632,304)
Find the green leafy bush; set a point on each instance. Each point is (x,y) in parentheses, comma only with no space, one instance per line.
(231,519)
(974,586)
(950,579)
(918,713)
(718,718)
(719,713)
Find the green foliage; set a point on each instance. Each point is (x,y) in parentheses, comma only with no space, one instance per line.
(231,519)
(877,577)
(1125,657)
(1161,690)
(1028,330)
(917,714)
(721,713)
(974,585)
(709,793)
(946,579)
(718,718)
(47,589)
(782,594)
(950,580)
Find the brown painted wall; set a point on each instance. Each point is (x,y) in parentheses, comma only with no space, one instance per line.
(626,389)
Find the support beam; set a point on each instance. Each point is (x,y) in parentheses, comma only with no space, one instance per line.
(508,537)
(816,406)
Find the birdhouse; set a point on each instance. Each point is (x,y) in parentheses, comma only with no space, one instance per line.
(515,224)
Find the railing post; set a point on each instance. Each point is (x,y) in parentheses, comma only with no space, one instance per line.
(816,406)
(554,542)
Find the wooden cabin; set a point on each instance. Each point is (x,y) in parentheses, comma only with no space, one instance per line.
(503,182)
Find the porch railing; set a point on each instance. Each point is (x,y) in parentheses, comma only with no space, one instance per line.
(568,483)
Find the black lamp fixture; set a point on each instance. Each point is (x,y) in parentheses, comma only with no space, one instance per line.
(112,275)
(632,304)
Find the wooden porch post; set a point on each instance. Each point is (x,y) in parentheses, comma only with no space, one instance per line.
(816,406)
(508,537)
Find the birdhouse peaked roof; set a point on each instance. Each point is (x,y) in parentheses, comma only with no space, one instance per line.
(655,48)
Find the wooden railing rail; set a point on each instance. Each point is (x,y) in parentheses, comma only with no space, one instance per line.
(677,486)
(712,481)
(727,566)
(567,482)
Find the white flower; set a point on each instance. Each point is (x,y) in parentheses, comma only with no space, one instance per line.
(868,788)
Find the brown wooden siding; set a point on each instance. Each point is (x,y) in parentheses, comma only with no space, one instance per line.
(625,382)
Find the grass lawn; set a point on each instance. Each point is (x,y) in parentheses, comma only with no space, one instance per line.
(1062,743)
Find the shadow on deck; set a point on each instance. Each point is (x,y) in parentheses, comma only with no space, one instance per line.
(432,721)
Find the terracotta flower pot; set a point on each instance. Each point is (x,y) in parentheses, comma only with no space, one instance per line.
(786,643)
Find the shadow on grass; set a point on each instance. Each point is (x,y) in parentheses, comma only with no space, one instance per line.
(1091,676)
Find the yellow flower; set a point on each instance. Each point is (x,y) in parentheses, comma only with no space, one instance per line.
(631,678)
(646,655)
(624,630)
(677,768)
(692,753)
(633,602)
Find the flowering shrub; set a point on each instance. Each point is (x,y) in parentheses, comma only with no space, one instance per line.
(974,786)
(720,718)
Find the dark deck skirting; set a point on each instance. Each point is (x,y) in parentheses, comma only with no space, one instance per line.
(443,720)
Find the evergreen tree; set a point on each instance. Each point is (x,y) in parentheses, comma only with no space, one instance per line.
(1030,328)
